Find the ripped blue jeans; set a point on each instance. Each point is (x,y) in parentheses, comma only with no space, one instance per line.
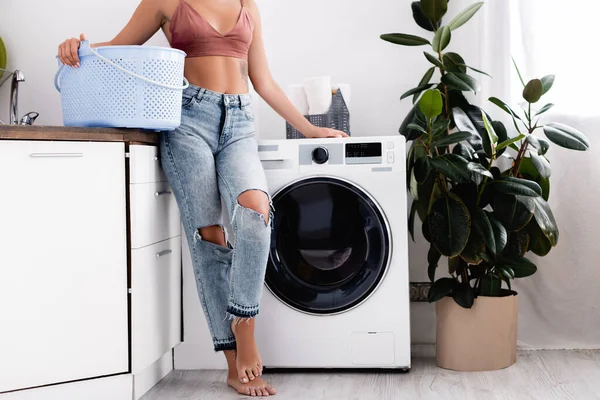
(213,156)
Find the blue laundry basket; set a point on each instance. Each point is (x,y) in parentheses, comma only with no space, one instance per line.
(123,87)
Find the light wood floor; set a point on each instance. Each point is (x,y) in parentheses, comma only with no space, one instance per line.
(538,375)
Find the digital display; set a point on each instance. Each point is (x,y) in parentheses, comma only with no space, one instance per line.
(360,150)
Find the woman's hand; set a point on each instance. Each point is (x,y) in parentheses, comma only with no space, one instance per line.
(317,132)
(68,51)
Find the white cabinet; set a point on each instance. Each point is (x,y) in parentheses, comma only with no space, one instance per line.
(154,214)
(72,266)
(155,302)
(155,269)
(63,262)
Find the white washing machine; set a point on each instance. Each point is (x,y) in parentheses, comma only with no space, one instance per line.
(337,284)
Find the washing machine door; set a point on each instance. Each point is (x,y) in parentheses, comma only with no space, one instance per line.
(329,247)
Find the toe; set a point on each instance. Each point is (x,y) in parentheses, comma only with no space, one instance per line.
(253,392)
(256,371)
(251,374)
(265,392)
(243,378)
(271,390)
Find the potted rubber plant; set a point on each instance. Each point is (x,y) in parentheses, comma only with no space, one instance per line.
(480,190)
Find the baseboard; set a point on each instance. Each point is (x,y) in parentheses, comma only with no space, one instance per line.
(145,380)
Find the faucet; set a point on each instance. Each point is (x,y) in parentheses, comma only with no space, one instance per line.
(14,96)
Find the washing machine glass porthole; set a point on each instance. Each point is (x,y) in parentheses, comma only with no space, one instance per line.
(329,246)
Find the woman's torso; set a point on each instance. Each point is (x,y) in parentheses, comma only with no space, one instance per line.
(223,74)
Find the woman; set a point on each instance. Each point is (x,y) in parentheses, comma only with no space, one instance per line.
(213,155)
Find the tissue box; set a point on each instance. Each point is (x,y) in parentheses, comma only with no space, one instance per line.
(338,117)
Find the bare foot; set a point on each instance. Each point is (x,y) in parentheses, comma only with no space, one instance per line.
(257,387)
(248,362)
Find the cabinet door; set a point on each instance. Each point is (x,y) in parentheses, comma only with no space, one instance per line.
(63,262)
(155,302)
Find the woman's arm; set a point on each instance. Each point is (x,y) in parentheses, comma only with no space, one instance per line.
(145,22)
(269,90)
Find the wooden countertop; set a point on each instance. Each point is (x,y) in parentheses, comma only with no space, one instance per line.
(38,132)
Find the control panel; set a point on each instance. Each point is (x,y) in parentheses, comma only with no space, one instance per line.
(349,153)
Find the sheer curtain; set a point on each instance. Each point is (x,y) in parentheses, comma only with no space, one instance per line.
(560,305)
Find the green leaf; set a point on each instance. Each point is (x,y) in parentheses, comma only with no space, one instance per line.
(521,266)
(404,39)
(504,107)
(514,212)
(453,138)
(506,272)
(419,18)
(484,228)
(545,220)
(416,91)
(431,103)
(417,127)
(496,101)
(528,171)
(434,9)
(449,225)
(425,229)
(460,81)
(464,150)
(518,243)
(491,139)
(518,72)
(441,288)
(454,62)
(500,234)
(464,296)
(478,171)
(432,59)
(414,116)
(500,130)
(422,169)
(469,119)
(441,39)
(433,258)
(566,137)
(424,81)
(411,219)
(541,164)
(544,109)
(465,16)
(533,91)
(426,192)
(539,244)
(477,70)
(455,265)
(440,128)
(517,186)
(471,254)
(414,186)
(512,146)
(507,143)
(491,286)
(544,146)
(547,83)
(452,166)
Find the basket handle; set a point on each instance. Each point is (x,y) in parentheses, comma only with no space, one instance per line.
(85,47)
